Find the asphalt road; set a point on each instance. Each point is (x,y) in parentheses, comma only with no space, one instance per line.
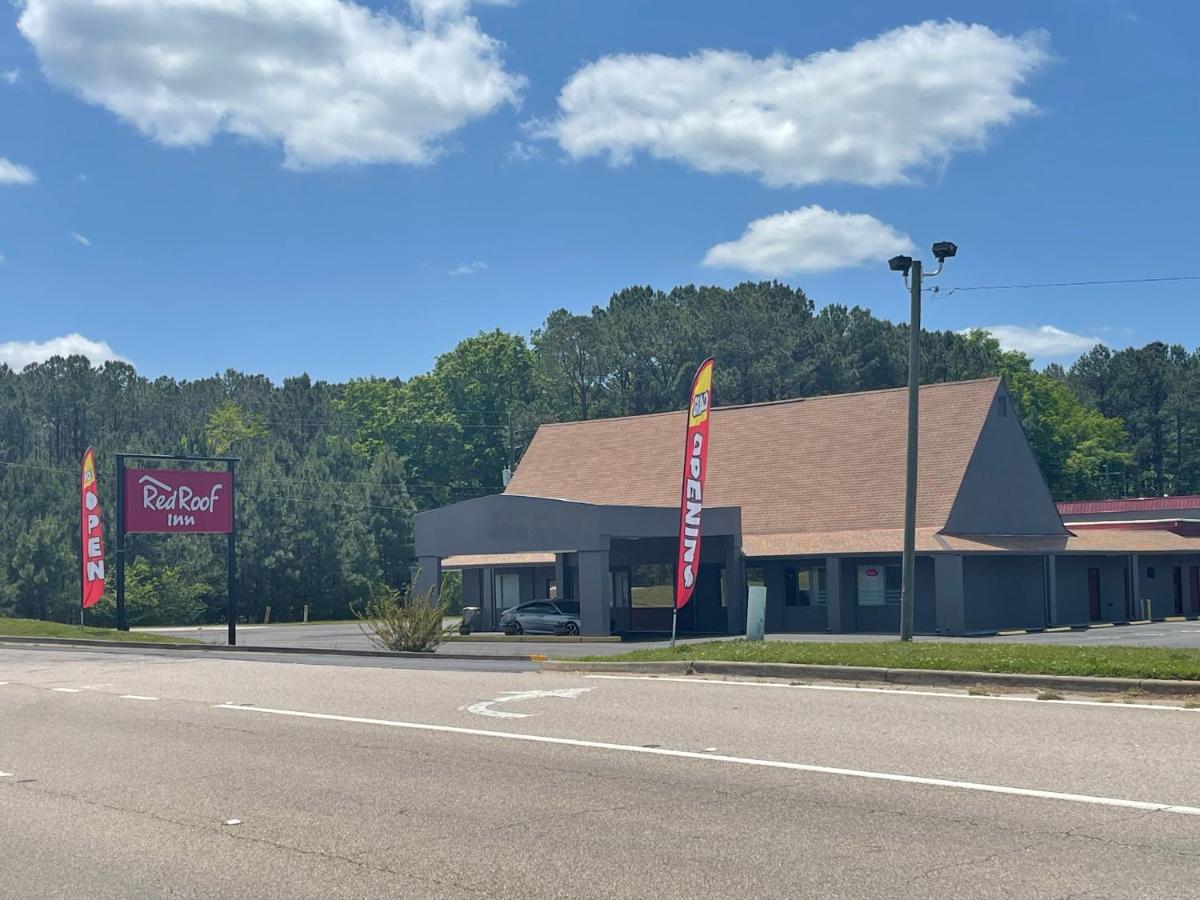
(122,770)
(349,636)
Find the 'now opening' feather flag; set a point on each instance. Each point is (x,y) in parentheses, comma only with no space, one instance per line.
(695,468)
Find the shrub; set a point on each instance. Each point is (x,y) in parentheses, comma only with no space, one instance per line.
(405,620)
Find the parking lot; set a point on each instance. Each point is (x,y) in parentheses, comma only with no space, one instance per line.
(349,636)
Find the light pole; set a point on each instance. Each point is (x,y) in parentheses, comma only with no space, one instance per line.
(942,250)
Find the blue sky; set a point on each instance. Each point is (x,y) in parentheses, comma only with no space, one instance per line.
(302,186)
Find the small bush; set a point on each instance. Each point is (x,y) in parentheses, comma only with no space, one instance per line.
(977,691)
(1049,695)
(406,620)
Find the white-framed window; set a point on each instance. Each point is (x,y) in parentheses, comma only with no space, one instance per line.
(879,585)
(508,590)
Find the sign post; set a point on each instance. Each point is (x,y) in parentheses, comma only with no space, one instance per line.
(176,501)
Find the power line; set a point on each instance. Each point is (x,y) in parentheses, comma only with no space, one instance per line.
(1055,284)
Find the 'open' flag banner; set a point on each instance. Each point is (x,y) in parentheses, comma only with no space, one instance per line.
(93,540)
(695,467)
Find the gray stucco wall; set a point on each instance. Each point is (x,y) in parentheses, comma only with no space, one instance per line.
(1001,592)
(1003,491)
(1072,588)
(781,617)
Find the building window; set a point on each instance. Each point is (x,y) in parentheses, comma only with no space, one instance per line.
(508,590)
(805,587)
(1150,571)
(1002,406)
(879,585)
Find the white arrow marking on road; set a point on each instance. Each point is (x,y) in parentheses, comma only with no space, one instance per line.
(484,708)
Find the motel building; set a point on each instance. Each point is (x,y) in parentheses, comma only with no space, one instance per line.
(806,497)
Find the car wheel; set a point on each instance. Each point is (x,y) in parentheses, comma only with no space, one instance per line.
(516,628)
(572,629)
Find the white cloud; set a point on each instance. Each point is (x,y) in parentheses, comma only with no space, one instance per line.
(470,268)
(12,173)
(10,76)
(872,114)
(523,152)
(1043,341)
(811,239)
(18,354)
(79,238)
(332,81)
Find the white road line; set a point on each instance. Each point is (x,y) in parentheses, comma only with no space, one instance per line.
(6,774)
(484,707)
(735,760)
(896,691)
(69,690)
(136,697)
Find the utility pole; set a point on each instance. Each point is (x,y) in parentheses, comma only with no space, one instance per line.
(908,573)
(943,250)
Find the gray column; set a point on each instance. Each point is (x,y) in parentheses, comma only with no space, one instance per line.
(595,592)
(429,575)
(948,593)
(1135,588)
(735,590)
(840,610)
(1052,590)
(488,598)
(560,577)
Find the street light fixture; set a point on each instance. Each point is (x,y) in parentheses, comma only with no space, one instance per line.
(906,265)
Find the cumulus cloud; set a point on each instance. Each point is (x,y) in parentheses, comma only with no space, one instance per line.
(10,76)
(873,114)
(1043,341)
(470,268)
(80,239)
(331,81)
(522,152)
(11,173)
(18,354)
(811,239)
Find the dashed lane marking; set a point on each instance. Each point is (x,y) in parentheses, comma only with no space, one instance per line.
(734,760)
(68,690)
(136,697)
(895,692)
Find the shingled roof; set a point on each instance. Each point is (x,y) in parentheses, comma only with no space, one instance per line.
(820,464)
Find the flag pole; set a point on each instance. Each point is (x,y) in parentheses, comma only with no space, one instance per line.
(674,617)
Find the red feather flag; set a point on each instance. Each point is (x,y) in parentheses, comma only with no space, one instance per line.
(695,468)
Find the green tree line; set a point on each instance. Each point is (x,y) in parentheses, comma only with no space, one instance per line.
(332,474)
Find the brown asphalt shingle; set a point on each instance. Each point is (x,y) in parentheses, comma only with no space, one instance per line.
(820,464)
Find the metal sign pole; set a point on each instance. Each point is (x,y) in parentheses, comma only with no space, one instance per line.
(122,624)
(231,562)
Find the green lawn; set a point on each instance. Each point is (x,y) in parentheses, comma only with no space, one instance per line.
(1041,659)
(38,628)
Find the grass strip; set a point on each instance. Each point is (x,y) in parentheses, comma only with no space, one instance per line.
(38,628)
(1033,659)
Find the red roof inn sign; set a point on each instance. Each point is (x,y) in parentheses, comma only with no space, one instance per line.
(177,500)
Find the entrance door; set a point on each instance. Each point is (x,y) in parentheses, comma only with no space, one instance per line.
(1177,574)
(1094,594)
(1194,578)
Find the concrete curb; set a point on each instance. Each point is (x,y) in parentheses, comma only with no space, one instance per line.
(224,648)
(1014,632)
(489,637)
(927,677)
